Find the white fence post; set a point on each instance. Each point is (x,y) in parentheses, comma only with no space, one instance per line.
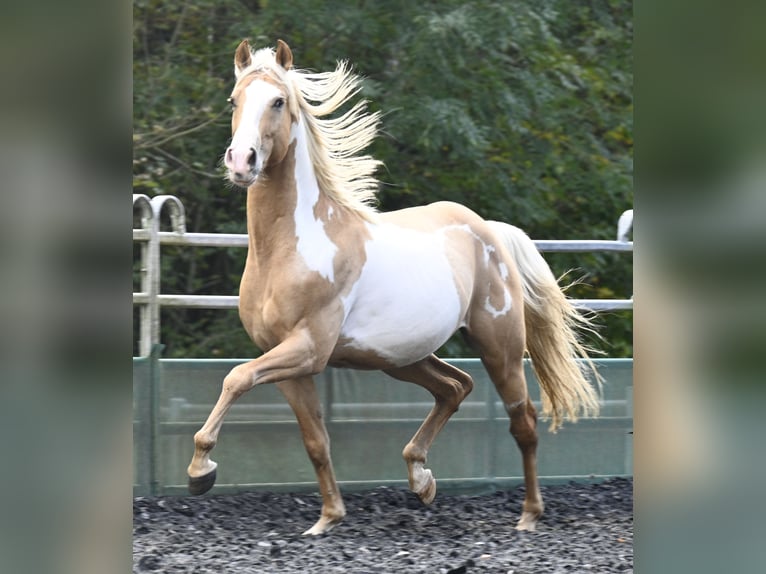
(149,234)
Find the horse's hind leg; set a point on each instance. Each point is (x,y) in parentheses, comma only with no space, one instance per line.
(511,385)
(449,386)
(302,396)
(523,423)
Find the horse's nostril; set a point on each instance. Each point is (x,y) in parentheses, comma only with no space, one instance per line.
(251,158)
(229,158)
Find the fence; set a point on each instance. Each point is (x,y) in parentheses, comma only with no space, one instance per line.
(260,444)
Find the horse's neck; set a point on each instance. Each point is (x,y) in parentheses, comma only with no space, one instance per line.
(286,204)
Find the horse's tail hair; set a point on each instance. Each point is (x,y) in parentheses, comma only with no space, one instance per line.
(553,326)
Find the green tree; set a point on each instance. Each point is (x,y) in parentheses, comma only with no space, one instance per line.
(520,110)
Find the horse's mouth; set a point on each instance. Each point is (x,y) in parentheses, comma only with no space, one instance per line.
(246,181)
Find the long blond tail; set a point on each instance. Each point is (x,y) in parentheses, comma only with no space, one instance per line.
(552,325)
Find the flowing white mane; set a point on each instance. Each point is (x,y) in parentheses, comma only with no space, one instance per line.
(333,143)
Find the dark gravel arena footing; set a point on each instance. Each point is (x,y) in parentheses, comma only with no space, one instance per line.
(585,528)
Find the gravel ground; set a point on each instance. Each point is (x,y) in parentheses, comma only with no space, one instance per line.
(585,528)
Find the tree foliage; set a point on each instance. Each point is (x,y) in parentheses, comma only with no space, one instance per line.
(521,110)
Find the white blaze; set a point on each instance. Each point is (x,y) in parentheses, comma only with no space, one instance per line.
(257,96)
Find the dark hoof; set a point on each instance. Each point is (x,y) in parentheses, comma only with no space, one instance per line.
(201,484)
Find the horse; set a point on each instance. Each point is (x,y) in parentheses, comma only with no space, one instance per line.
(330,280)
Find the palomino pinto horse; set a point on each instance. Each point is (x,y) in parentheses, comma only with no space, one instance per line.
(330,281)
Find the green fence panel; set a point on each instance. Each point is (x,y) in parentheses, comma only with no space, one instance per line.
(143,444)
(370,417)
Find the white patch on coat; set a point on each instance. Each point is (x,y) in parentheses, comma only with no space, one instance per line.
(511,406)
(487,249)
(405,304)
(506,305)
(349,299)
(314,245)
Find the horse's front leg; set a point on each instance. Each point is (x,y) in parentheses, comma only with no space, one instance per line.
(293,358)
(302,396)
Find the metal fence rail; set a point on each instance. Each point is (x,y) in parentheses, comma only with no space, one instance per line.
(151,238)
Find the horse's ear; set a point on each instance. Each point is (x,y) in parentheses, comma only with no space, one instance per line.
(284,55)
(242,57)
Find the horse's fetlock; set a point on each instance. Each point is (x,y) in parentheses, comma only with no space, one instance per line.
(203,441)
(413,453)
(334,514)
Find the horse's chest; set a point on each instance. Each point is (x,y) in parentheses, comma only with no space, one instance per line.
(273,300)
(259,298)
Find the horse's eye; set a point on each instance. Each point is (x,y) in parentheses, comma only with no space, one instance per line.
(232,103)
(278,103)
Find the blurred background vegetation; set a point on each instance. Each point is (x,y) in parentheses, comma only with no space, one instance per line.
(521,110)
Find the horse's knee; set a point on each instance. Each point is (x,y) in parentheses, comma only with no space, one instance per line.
(318,449)
(237,382)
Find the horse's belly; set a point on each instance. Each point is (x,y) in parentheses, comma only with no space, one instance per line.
(406,303)
(399,338)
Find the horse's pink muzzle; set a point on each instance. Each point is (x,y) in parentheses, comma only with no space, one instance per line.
(241,165)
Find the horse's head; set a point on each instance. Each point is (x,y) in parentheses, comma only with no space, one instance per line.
(261,112)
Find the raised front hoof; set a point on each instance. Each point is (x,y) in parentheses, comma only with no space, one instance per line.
(201,484)
(528,521)
(426,489)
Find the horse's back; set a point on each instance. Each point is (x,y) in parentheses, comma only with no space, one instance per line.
(432,216)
